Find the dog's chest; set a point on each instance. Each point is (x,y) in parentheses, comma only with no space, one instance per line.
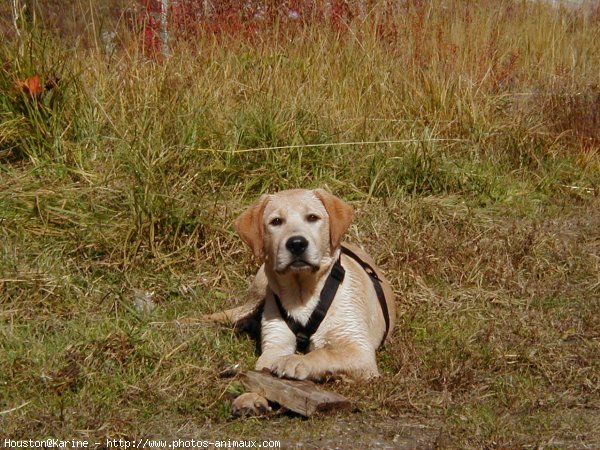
(297,306)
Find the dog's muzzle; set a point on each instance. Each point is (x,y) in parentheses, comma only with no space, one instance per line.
(299,261)
(297,245)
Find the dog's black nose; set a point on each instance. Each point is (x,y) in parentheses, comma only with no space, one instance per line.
(296,245)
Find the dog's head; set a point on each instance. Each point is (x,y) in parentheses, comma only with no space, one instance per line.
(295,230)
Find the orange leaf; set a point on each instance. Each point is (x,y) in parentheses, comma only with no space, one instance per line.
(31,85)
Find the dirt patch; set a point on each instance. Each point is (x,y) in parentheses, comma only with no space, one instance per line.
(354,431)
(391,433)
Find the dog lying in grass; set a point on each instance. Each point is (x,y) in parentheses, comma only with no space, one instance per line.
(327,308)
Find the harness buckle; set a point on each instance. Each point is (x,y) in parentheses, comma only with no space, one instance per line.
(302,342)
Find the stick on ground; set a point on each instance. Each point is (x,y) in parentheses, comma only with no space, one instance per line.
(302,397)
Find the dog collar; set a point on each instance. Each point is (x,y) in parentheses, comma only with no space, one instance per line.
(304,332)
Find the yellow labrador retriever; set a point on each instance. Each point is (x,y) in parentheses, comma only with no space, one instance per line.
(327,308)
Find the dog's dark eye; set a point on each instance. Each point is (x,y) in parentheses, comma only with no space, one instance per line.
(276,221)
(312,218)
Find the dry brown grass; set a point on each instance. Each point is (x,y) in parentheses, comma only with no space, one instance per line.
(497,327)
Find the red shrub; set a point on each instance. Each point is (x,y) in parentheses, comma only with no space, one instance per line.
(186,19)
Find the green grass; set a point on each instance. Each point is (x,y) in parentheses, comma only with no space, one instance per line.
(467,140)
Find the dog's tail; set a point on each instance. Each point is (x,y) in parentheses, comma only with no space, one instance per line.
(238,314)
(246,317)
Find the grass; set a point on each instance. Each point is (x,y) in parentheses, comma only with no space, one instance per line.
(467,139)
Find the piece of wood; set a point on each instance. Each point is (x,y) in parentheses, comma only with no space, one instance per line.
(302,397)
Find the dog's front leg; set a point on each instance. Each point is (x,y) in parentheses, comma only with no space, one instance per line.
(323,362)
(277,341)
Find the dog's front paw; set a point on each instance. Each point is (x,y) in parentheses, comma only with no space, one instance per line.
(293,366)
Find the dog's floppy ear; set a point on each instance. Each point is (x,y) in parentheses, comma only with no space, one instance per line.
(340,215)
(250,228)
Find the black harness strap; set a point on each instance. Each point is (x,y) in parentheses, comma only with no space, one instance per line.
(378,288)
(304,332)
(336,277)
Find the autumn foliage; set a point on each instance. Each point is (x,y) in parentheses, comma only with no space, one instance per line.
(187,19)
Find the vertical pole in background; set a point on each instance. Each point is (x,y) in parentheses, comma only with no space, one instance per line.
(17,13)
(164,34)
(15,16)
(206,8)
